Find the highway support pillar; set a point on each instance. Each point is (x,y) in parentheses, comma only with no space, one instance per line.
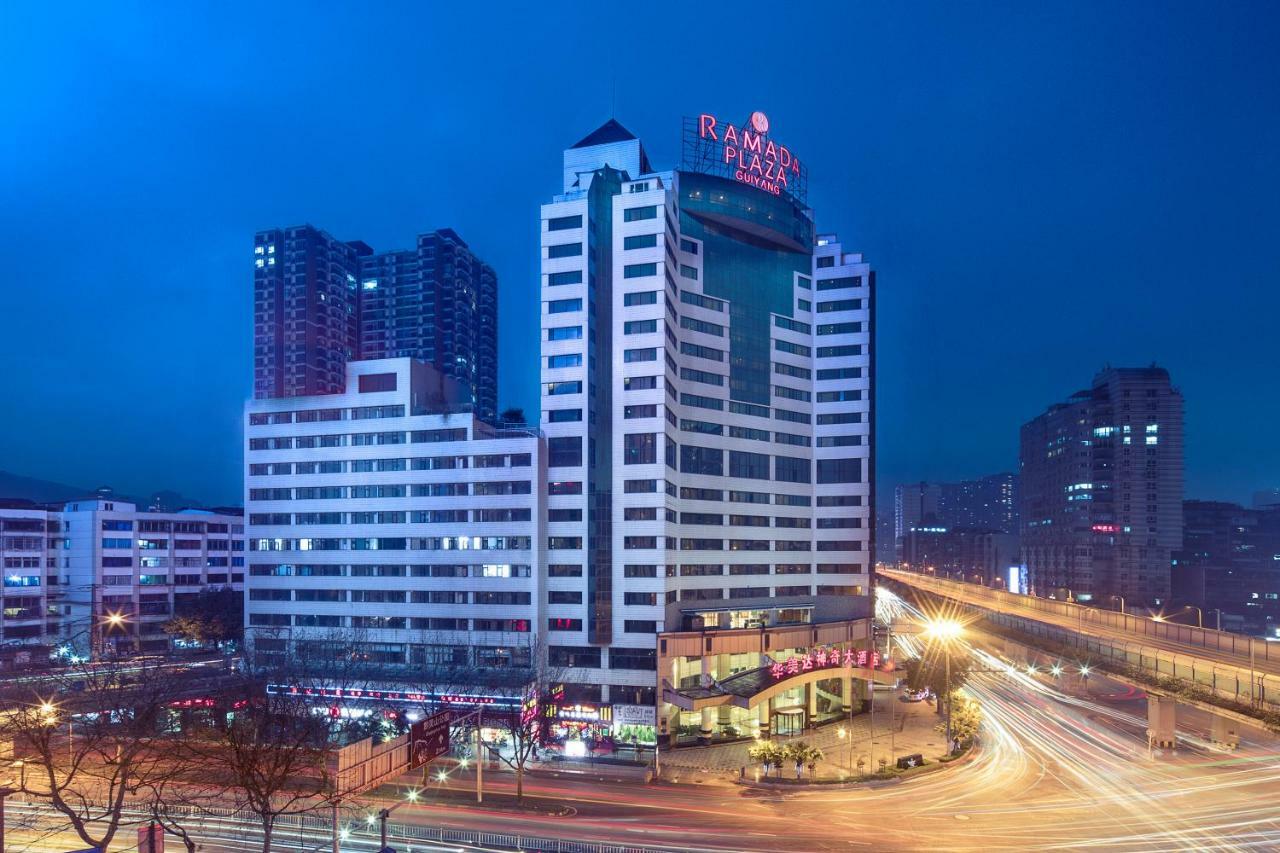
(1224,733)
(1162,721)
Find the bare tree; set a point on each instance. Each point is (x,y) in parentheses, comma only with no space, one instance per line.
(525,680)
(91,736)
(274,753)
(278,749)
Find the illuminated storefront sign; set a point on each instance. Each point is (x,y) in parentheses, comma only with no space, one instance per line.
(589,713)
(392,696)
(823,658)
(749,154)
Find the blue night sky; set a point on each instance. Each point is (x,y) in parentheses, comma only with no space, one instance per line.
(1044,189)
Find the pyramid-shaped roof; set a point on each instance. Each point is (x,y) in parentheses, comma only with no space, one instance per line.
(608,132)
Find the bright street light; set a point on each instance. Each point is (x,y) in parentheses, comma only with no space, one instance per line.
(943,629)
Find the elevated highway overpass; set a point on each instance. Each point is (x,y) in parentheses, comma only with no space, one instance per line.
(1236,667)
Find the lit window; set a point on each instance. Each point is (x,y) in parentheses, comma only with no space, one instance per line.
(1153,428)
(257,250)
(259,263)
(1153,439)
(371,284)
(271,250)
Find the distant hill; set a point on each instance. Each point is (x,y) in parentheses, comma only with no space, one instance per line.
(39,491)
(47,491)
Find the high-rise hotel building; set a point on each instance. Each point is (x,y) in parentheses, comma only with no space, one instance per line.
(706,368)
(695,505)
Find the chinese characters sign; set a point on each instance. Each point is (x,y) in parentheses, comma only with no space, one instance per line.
(823,658)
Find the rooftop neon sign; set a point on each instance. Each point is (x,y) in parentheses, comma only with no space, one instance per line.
(749,155)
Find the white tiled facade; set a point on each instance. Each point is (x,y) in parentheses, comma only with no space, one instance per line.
(389,520)
(98,557)
(675,503)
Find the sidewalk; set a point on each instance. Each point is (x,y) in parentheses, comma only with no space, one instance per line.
(913,732)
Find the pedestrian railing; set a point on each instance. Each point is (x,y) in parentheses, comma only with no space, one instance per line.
(229,824)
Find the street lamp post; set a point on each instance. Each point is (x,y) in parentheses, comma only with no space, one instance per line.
(946,631)
(948,686)
(1199,614)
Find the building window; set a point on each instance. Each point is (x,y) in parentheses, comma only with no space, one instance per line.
(754,466)
(564,223)
(564,250)
(640,448)
(639,270)
(564,451)
(372,382)
(701,460)
(640,241)
(556,279)
(636,214)
(563,306)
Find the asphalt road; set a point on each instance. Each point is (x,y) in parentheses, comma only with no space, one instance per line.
(1056,770)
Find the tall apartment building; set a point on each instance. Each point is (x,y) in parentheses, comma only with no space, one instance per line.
(706,395)
(72,567)
(305,311)
(1229,565)
(320,302)
(1101,490)
(988,503)
(916,505)
(389,522)
(437,303)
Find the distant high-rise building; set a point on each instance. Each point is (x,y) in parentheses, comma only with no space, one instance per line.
(916,505)
(1230,562)
(987,503)
(305,304)
(320,302)
(976,555)
(1101,489)
(437,303)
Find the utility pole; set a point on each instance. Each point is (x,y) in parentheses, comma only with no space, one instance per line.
(948,685)
(479,762)
(893,694)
